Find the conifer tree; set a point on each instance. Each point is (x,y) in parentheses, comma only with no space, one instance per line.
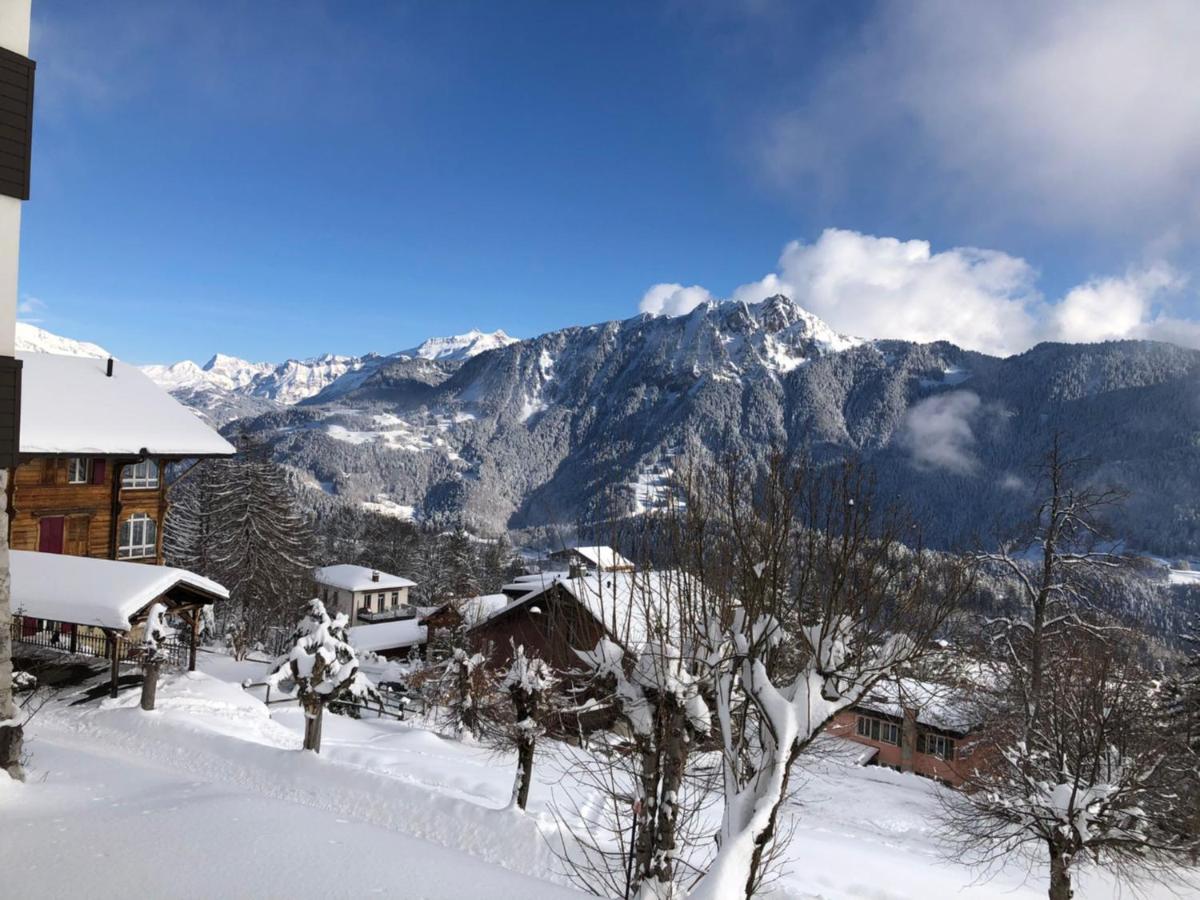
(463,563)
(238,522)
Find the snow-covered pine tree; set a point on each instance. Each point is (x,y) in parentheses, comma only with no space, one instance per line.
(462,564)
(527,682)
(151,652)
(322,666)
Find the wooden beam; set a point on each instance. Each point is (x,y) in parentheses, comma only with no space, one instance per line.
(114,643)
(195,638)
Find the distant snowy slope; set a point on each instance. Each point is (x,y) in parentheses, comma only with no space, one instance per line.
(32,339)
(460,346)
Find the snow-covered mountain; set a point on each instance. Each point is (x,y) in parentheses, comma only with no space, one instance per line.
(226,387)
(580,423)
(31,339)
(460,346)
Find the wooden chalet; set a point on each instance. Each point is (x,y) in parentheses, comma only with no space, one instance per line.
(97,607)
(95,436)
(555,615)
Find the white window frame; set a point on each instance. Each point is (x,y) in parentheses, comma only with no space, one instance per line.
(140,476)
(139,538)
(74,465)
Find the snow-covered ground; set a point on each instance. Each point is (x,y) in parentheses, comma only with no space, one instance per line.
(209,796)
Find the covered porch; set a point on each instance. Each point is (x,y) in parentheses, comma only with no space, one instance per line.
(96,607)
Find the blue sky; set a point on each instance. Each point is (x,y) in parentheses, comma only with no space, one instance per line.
(282,179)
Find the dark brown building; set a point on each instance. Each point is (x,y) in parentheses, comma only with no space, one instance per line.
(95,437)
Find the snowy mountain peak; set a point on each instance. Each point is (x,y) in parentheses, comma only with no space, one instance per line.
(460,346)
(31,339)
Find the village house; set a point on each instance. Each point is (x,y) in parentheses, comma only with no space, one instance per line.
(87,503)
(915,726)
(95,438)
(366,596)
(591,559)
(555,615)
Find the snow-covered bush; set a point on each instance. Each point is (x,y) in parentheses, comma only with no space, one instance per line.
(321,667)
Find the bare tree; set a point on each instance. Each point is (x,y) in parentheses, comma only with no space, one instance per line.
(152,654)
(825,592)
(527,682)
(1081,764)
(320,668)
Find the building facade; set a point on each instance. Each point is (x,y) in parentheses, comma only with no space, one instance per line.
(363,595)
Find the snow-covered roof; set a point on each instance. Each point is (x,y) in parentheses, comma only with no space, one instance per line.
(476,609)
(388,635)
(936,705)
(602,558)
(100,592)
(346,577)
(630,605)
(69,405)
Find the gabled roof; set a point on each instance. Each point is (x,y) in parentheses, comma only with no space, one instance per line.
(100,592)
(70,406)
(602,558)
(388,635)
(346,577)
(472,609)
(631,606)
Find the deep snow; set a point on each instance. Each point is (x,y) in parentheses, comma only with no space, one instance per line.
(209,796)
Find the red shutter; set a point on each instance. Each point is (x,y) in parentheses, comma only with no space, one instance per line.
(50,534)
(98,470)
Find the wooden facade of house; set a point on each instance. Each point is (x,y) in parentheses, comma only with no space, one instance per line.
(551,626)
(94,506)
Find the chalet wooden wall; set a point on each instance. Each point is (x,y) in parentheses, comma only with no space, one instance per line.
(40,489)
(559,628)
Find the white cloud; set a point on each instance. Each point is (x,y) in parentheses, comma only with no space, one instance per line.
(673,299)
(937,432)
(986,300)
(1113,308)
(1084,112)
(883,287)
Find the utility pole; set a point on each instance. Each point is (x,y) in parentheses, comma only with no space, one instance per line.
(16,140)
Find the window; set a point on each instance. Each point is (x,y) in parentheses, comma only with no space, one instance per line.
(395,599)
(141,475)
(77,470)
(138,538)
(878,730)
(935,745)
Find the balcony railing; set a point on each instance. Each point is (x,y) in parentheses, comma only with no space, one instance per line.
(386,615)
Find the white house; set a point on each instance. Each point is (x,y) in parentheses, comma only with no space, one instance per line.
(364,595)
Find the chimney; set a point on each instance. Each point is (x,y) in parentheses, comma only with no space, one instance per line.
(575,570)
(374,576)
(108,368)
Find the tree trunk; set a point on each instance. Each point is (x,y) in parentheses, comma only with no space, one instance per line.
(524,772)
(1060,876)
(149,684)
(10,733)
(312,727)
(673,759)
